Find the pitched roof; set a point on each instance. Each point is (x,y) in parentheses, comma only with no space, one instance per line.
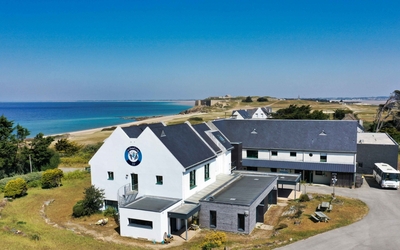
(304,135)
(184,143)
(242,113)
(201,129)
(135,130)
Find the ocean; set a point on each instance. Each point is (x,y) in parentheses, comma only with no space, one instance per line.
(51,118)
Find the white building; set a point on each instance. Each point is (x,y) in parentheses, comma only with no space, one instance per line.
(149,171)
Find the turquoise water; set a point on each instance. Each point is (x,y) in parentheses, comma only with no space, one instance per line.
(52,118)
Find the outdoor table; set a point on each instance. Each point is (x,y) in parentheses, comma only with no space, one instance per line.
(324,205)
(321,216)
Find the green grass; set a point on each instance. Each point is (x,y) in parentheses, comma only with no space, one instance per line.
(23,214)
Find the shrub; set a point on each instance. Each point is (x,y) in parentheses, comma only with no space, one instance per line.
(91,203)
(78,210)
(262,99)
(304,198)
(31,177)
(214,239)
(75,175)
(110,212)
(52,178)
(248,99)
(15,188)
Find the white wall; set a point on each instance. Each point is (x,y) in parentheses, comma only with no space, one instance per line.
(156,160)
(346,158)
(160,223)
(259,114)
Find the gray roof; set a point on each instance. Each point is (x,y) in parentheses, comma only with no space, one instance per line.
(221,138)
(243,113)
(152,203)
(184,143)
(201,129)
(243,191)
(304,135)
(317,166)
(135,130)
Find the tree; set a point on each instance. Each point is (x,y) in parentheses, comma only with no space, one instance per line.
(390,108)
(248,99)
(91,203)
(339,114)
(262,99)
(42,154)
(302,112)
(8,147)
(67,147)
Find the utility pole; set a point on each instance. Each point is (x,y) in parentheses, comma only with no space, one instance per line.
(30,162)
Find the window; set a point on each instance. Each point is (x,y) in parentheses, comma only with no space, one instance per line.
(252,168)
(206,172)
(192,179)
(241,222)
(293,154)
(323,158)
(213,219)
(110,176)
(252,154)
(274,153)
(159,180)
(140,223)
(319,173)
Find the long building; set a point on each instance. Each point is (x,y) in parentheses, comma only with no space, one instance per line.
(223,174)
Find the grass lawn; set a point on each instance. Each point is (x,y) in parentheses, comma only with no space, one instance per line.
(23,215)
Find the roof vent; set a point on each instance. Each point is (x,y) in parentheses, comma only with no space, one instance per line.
(210,198)
(163,133)
(254,132)
(322,133)
(232,199)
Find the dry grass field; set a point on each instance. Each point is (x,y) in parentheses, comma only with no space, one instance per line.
(26,223)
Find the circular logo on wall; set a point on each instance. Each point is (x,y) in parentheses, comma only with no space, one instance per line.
(133,156)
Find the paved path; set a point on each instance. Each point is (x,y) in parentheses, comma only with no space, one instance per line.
(380,229)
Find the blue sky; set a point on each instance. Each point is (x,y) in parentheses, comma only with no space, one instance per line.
(130,50)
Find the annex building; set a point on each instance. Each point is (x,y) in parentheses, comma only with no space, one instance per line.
(224,173)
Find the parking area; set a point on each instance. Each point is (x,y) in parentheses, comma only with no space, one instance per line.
(378,230)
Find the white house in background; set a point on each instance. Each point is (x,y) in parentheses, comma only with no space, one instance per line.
(256,113)
(149,171)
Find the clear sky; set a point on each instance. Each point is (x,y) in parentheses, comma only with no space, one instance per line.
(129,50)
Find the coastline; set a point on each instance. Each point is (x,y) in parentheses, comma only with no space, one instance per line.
(83,133)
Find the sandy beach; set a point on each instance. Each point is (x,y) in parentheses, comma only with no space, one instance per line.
(87,135)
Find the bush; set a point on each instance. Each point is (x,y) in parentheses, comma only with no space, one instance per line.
(304,198)
(15,188)
(78,210)
(52,178)
(262,99)
(248,99)
(29,178)
(91,203)
(110,212)
(214,239)
(75,175)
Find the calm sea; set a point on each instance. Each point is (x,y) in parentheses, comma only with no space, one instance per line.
(52,118)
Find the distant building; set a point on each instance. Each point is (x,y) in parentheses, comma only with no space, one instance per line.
(256,113)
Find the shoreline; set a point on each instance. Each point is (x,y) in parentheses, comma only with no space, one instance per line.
(80,133)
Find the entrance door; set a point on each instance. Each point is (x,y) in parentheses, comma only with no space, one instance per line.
(308,176)
(135,182)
